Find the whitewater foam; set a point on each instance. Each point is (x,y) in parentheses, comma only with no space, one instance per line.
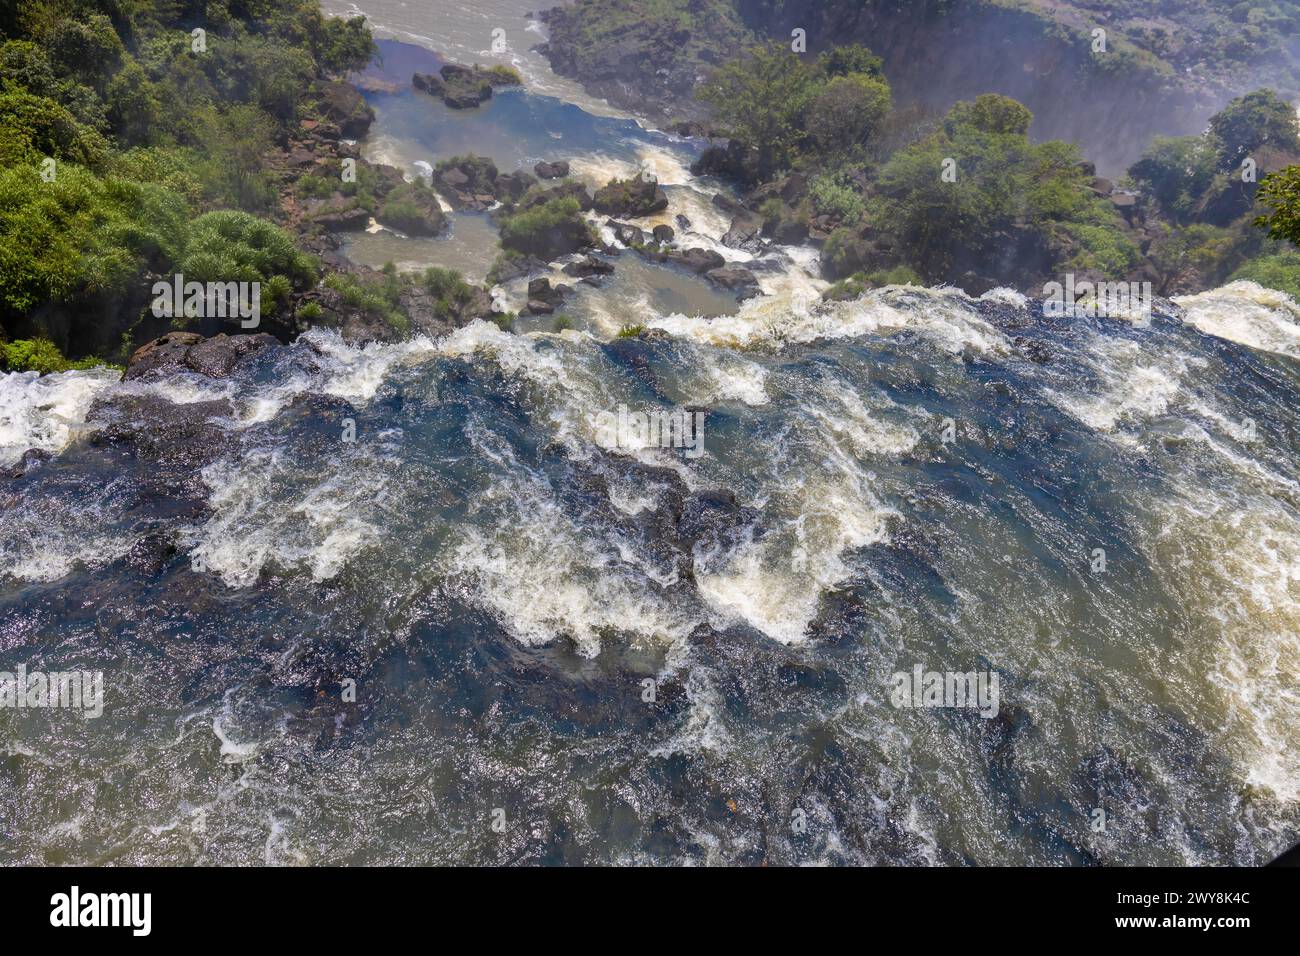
(1249,314)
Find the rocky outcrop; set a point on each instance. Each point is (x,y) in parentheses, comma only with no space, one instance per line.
(630,198)
(464,87)
(345,108)
(215,357)
(556,170)
(698,261)
(626,233)
(587,267)
(412,208)
(734,279)
(510,187)
(467,182)
(543,298)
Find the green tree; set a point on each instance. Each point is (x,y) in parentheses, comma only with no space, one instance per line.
(847,111)
(1176,171)
(759,99)
(1281,192)
(344,45)
(1258,119)
(991,113)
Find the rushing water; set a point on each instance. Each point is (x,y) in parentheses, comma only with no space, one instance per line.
(919,478)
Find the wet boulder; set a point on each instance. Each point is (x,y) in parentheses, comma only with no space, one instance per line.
(190,352)
(588,266)
(664,233)
(183,435)
(626,233)
(746,233)
(543,298)
(697,260)
(734,279)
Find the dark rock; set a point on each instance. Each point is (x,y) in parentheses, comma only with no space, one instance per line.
(588,266)
(746,233)
(626,233)
(511,186)
(1037,350)
(543,298)
(152,552)
(698,260)
(664,233)
(174,434)
(32,459)
(713,519)
(682,222)
(508,268)
(188,351)
(342,105)
(727,204)
(468,184)
(630,197)
(790,232)
(556,170)
(351,220)
(735,279)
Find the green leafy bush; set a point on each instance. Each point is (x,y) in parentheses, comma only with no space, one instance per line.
(39,355)
(834,195)
(82,235)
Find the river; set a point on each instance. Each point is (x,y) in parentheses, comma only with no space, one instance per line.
(489,631)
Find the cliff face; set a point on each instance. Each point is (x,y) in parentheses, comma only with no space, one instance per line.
(939,51)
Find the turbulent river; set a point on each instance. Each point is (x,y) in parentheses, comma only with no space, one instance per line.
(914,478)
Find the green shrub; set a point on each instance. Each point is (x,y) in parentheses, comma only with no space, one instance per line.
(34,127)
(378,298)
(551,229)
(38,355)
(82,235)
(833,195)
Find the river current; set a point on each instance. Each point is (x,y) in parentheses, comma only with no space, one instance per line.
(568,648)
